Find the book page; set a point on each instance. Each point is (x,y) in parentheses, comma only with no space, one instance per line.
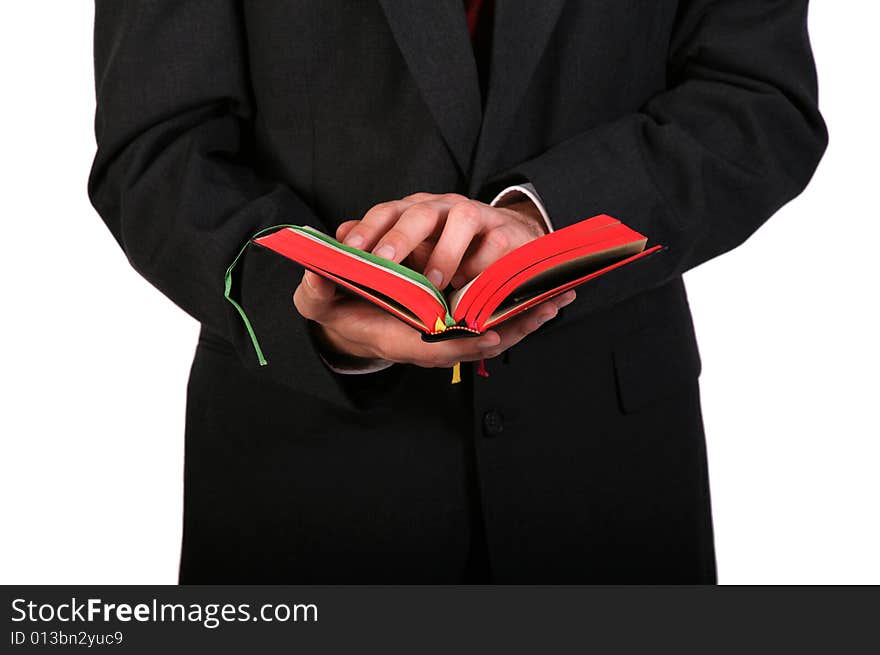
(458,294)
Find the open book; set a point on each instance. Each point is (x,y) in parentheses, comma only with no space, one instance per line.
(516,282)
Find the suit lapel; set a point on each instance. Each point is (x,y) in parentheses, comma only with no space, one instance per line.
(432,36)
(521,31)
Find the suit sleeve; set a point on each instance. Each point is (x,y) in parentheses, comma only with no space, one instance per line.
(175,184)
(702,165)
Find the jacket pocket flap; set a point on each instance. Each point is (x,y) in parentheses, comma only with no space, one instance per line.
(653,363)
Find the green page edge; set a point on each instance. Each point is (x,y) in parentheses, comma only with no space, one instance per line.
(380,261)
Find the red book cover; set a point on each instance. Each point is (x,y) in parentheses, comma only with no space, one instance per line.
(513,284)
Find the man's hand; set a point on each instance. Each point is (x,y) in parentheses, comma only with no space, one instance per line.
(354,327)
(451,238)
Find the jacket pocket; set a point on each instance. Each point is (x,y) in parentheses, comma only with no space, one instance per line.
(655,362)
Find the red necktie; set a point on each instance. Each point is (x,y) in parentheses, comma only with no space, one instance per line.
(479,22)
(472,8)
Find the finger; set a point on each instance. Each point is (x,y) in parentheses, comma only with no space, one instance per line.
(468,349)
(518,328)
(564,299)
(344,229)
(376,222)
(314,296)
(379,219)
(418,258)
(365,329)
(409,348)
(417,223)
(489,248)
(464,221)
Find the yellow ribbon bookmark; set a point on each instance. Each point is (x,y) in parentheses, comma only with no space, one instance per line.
(440,326)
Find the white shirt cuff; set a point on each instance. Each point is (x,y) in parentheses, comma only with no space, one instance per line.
(527,190)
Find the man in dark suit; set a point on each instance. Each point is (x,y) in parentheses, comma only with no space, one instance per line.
(456,131)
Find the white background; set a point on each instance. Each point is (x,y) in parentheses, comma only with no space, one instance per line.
(95,361)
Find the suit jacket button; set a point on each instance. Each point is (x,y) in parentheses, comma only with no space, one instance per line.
(493,423)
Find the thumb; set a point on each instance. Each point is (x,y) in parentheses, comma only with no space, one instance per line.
(314,296)
(320,288)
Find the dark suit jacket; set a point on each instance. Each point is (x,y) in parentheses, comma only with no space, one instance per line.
(581,459)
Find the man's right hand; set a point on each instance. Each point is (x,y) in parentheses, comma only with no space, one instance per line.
(354,327)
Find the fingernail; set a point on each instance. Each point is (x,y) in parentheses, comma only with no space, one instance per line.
(489,340)
(308,278)
(354,240)
(386,252)
(567,301)
(435,276)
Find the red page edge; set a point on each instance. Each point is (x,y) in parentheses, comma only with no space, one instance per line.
(282,242)
(570,285)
